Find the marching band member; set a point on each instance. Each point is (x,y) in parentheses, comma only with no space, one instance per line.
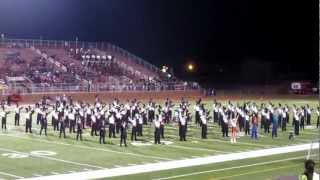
(55,120)
(123,133)
(182,125)
(308,115)
(28,118)
(133,122)
(157,130)
(44,122)
(72,120)
(102,132)
(79,127)
(63,125)
(296,121)
(17,111)
(203,118)
(224,122)
(3,116)
(111,119)
(284,119)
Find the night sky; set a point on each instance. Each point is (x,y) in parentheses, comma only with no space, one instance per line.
(228,40)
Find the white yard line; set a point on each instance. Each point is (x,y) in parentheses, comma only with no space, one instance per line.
(243,143)
(38,175)
(51,158)
(228,142)
(312,133)
(146,168)
(87,147)
(258,171)
(10,175)
(229,168)
(197,149)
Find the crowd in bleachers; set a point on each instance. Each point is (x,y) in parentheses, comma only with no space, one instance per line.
(53,67)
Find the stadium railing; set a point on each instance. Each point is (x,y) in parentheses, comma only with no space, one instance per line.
(97,87)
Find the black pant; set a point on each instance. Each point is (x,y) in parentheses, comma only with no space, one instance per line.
(28,126)
(182,132)
(157,136)
(267,126)
(308,119)
(44,126)
(302,123)
(82,122)
(94,129)
(284,124)
(112,131)
(318,122)
(263,122)
(296,127)
(134,133)
(225,129)
(241,124)
(79,134)
(139,129)
(62,130)
(118,125)
(72,126)
(38,118)
(16,119)
(197,118)
(247,128)
(102,136)
(280,121)
(204,131)
(4,123)
(123,136)
(55,124)
(162,131)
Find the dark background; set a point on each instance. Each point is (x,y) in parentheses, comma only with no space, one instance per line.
(230,41)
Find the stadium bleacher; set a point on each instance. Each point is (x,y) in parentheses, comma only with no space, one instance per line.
(58,64)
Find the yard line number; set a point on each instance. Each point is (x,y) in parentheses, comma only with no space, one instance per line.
(26,155)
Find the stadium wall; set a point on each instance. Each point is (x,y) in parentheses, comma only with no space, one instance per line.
(190,95)
(108,96)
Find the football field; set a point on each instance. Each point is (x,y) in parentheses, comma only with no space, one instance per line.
(49,157)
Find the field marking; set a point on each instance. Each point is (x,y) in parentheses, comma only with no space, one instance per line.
(11,175)
(37,175)
(132,164)
(169,165)
(259,171)
(195,148)
(86,169)
(243,143)
(309,133)
(230,168)
(117,166)
(228,142)
(86,147)
(51,158)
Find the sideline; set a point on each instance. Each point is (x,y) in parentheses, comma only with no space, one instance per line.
(177,163)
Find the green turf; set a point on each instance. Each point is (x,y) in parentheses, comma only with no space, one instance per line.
(79,156)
